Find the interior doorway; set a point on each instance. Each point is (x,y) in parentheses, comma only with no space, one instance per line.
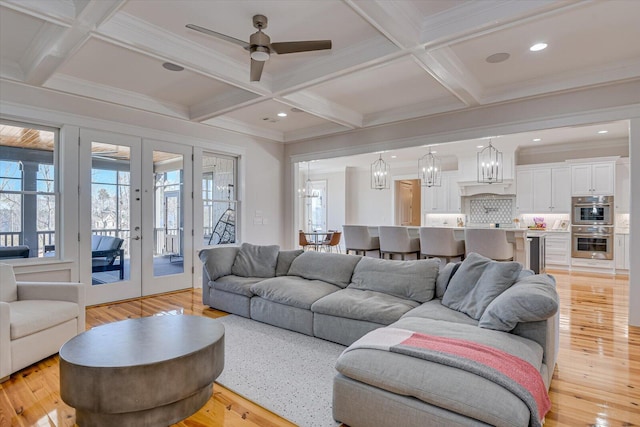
(407,202)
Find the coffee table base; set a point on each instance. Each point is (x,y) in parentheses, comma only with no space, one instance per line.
(162,415)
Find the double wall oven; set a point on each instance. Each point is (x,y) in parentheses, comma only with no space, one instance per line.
(592,227)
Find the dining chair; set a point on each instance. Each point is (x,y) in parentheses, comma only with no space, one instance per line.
(440,243)
(490,243)
(395,240)
(302,241)
(334,242)
(357,238)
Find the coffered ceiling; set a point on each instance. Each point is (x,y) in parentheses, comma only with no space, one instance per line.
(390,60)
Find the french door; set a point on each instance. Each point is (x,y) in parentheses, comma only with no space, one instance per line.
(136,216)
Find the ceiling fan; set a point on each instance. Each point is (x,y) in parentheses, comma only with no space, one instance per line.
(260,46)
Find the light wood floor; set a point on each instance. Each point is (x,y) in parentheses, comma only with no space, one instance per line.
(596,382)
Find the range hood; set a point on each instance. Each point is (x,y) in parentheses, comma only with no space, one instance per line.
(472,188)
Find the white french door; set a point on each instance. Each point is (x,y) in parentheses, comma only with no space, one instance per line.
(135,216)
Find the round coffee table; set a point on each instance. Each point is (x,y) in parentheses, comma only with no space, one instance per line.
(150,371)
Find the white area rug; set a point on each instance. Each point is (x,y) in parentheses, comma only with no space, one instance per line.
(288,373)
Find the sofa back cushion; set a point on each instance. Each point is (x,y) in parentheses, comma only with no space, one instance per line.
(332,268)
(256,261)
(218,261)
(530,299)
(477,282)
(8,286)
(414,280)
(285,258)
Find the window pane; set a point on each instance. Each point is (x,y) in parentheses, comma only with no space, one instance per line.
(28,196)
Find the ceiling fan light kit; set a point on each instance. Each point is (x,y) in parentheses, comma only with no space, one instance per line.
(260,46)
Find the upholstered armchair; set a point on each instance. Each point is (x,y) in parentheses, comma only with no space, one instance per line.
(36,318)
(358,239)
(488,242)
(396,240)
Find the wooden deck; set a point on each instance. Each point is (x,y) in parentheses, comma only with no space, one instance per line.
(596,382)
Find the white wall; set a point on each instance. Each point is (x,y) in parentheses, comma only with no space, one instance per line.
(634,223)
(261,168)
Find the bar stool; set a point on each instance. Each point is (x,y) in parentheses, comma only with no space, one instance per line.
(491,243)
(440,243)
(358,239)
(395,240)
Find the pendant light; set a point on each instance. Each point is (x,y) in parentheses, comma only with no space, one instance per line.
(380,177)
(430,170)
(307,192)
(489,165)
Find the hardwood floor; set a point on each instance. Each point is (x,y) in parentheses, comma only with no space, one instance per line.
(596,382)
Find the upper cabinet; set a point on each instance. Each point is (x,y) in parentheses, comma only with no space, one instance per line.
(543,189)
(593,179)
(623,189)
(443,199)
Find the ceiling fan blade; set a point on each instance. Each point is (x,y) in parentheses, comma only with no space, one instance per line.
(256,70)
(301,46)
(218,35)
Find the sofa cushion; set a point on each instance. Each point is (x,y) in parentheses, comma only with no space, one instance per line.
(369,306)
(293,291)
(435,310)
(236,284)
(414,280)
(8,287)
(477,282)
(218,261)
(531,299)
(446,387)
(333,268)
(256,261)
(285,258)
(31,316)
(444,277)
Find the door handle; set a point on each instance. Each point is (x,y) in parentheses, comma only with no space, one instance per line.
(136,238)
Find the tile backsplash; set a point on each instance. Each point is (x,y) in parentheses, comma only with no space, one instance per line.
(491,210)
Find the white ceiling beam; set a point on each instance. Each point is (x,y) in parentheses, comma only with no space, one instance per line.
(397,21)
(244,128)
(54,45)
(59,12)
(444,65)
(323,108)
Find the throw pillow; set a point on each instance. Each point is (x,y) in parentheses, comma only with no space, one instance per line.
(477,282)
(444,277)
(531,299)
(285,258)
(414,280)
(256,261)
(336,269)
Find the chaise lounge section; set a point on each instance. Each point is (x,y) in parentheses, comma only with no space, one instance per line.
(348,299)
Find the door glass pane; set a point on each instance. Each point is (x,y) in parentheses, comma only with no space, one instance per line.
(219,199)
(110,213)
(168,213)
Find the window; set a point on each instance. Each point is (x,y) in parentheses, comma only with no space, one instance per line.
(219,199)
(28,190)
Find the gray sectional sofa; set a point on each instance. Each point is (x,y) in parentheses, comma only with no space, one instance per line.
(342,298)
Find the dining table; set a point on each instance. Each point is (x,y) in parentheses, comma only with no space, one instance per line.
(314,237)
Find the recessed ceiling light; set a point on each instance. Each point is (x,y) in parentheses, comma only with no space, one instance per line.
(479,146)
(538,47)
(497,57)
(172,67)
(282,114)
(296,110)
(394,157)
(603,131)
(537,139)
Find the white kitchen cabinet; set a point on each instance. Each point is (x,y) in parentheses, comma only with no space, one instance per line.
(593,179)
(558,250)
(443,199)
(623,188)
(543,189)
(621,251)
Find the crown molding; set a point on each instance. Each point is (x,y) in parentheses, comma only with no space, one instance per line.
(408,112)
(113,95)
(59,12)
(232,100)
(313,132)
(324,108)
(238,126)
(575,146)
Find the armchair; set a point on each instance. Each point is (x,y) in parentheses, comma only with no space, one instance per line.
(36,318)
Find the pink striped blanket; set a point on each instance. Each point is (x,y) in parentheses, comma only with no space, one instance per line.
(516,375)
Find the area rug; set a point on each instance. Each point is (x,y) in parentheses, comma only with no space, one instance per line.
(290,374)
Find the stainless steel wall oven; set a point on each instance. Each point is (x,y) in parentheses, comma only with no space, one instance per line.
(592,210)
(594,242)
